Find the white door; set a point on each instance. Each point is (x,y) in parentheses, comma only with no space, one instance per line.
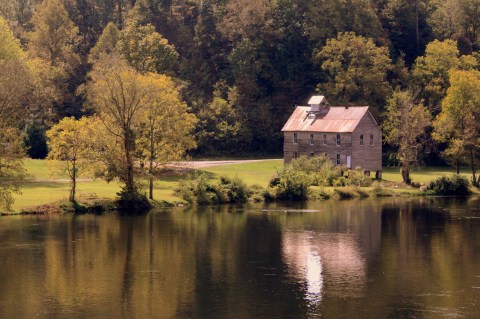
(349,161)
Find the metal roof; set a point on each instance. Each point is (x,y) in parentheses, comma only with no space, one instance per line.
(331,119)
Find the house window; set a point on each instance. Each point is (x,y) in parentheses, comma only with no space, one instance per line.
(311,154)
(295,138)
(338,159)
(311,139)
(338,139)
(295,155)
(324,139)
(371,139)
(361,140)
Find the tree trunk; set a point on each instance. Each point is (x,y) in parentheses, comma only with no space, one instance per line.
(129,182)
(150,173)
(472,162)
(405,171)
(457,164)
(74,182)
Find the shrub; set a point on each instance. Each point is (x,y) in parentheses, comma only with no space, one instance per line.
(290,185)
(197,190)
(357,177)
(453,185)
(349,192)
(319,169)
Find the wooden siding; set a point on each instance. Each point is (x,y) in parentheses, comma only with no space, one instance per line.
(367,157)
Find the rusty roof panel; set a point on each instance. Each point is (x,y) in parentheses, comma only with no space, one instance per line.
(330,119)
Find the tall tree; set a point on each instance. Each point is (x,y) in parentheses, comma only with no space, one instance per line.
(405,123)
(165,127)
(356,71)
(55,36)
(118,94)
(458,124)
(14,83)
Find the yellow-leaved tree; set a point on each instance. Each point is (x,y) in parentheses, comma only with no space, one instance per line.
(70,149)
(165,130)
(143,120)
(458,123)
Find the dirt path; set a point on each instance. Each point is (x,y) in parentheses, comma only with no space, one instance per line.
(204,164)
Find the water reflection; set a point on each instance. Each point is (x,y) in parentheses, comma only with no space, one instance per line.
(371,258)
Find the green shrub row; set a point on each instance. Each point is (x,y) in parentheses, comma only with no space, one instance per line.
(450,185)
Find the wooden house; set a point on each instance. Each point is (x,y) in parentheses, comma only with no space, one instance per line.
(348,135)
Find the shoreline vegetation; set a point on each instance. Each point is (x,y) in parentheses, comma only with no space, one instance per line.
(255,181)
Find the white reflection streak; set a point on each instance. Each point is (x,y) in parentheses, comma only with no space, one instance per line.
(305,263)
(314,277)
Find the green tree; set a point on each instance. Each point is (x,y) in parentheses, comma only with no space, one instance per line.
(106,44)
(69,150)
(431,71)
(55,36)
(146,50)
(405,123)
(457,124)
(458,20)
(356,71)
(218,127)
(164,133)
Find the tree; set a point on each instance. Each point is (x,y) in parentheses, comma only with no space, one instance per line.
(165,127)
(457,124)
(55,36)
(325,19)
(431,70)
(14,83)
(218,127)
(69,150)
(146,50)
(118,94)
(106,44)
(405,123)
(356,71)
(458,20)
(11,165)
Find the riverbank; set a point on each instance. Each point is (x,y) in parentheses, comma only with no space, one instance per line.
(41,189)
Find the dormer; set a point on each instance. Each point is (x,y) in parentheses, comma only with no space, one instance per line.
(317,102)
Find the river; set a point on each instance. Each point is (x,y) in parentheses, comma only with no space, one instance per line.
(370,258)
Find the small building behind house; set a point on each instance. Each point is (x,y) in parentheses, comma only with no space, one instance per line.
(348,135)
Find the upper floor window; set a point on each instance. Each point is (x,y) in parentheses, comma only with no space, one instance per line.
(338,159)
(295,138)
(338,139)
(361,140)
(311,139)
(371,139)
(324,139)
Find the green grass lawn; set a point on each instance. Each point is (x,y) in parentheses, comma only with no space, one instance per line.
(251,173)
(422,174)
(41,188)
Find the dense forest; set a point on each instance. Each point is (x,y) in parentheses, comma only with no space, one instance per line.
(241,66)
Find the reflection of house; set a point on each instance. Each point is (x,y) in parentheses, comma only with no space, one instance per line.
(349,135)
(326,258)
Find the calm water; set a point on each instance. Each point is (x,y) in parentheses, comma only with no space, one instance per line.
(385,258)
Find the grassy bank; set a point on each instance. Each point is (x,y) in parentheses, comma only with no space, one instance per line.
(41,188)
